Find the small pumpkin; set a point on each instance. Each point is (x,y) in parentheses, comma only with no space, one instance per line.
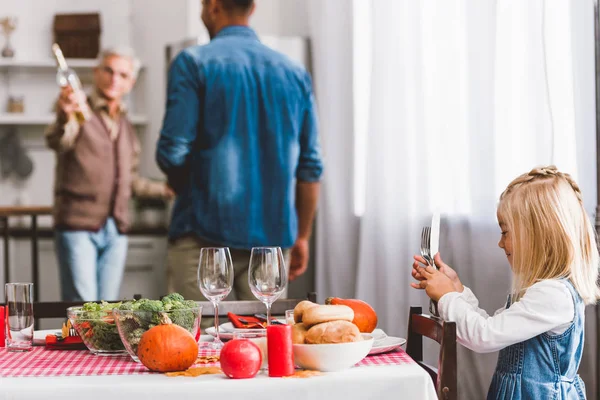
(167,347)
(365,317)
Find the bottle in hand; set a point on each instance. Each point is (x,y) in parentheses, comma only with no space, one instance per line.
(67,77)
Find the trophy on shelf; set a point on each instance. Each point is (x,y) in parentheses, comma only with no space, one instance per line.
(9,24)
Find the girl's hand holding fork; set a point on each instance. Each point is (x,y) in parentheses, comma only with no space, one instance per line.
(436,283)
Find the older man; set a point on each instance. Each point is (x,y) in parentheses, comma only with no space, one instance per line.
(95,176)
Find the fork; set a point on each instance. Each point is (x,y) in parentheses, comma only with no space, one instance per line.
(425,238)
(248,323)
(426,254)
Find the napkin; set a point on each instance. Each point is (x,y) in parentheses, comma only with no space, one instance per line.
(57,342)
(64,341)
(247,323)
(2,334)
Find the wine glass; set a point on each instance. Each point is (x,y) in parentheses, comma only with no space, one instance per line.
(215,279)
(267,275)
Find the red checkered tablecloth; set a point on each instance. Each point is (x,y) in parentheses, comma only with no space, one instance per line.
(43,362)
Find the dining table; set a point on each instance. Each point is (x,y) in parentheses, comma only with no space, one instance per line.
(44,373)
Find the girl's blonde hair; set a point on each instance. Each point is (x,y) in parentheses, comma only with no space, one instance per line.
(552,236)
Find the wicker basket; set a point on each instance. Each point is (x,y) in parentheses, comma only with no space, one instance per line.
(78,35)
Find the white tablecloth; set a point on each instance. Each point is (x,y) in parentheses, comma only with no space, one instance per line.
(375,382)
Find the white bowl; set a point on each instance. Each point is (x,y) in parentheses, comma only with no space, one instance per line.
(332,357)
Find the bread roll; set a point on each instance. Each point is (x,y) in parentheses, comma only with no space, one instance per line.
(333,332)
(298,333)
(320,314)
(300,308)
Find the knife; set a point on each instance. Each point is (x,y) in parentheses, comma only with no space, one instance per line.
(263,317)
(434,246)
(434,243)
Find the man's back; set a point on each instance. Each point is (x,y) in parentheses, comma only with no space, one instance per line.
(240,129)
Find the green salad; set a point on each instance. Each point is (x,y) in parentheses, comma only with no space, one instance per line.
(98,325)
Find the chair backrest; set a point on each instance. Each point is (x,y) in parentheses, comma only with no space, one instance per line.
(444,333)
(251,307)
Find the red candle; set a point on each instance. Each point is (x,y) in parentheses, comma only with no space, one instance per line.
(2,327)
(280,351)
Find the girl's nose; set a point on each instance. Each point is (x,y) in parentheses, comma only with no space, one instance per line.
(501,243)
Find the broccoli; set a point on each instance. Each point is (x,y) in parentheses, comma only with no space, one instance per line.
(174,297)
(190,304)
(128,305)
(134,338)
(146,315)
(150,305)
(183,318)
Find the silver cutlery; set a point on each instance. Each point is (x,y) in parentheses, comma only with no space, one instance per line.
(426,254)
(263,317)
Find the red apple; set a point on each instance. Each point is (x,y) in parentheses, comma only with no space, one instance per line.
(240,359)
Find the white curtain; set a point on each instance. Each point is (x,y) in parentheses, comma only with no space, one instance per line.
(460,97)
(337,226)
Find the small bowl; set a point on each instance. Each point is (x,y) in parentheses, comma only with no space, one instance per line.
(97,329)
(132,325)
(332,357)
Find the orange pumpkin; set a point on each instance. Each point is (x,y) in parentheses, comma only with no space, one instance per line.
(365,318)
(167,347)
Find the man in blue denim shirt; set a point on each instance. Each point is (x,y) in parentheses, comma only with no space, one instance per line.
(240,146)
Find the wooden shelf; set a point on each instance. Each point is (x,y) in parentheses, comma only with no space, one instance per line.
(77,63)
(33,119)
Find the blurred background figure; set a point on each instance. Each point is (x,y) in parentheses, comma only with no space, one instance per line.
(97,156)
(240,146)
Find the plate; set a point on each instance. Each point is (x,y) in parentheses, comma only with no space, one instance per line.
(226,330)
(206,338)
(388,344)
(39,337)
(379,336)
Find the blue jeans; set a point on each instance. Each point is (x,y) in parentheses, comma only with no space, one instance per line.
(91,264)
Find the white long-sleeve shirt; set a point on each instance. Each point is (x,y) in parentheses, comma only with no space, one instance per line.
(547,306)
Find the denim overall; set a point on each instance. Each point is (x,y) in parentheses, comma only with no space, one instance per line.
(545,366)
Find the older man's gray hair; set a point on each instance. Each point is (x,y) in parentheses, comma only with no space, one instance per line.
(124,52)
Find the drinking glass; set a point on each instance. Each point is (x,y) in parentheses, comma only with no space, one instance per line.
(289,317)
(19,316)
(267,275)
(215,279)
(259,337)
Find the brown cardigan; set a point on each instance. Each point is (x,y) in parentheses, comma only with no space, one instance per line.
(95,173)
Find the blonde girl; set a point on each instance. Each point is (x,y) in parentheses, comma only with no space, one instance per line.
(550,245)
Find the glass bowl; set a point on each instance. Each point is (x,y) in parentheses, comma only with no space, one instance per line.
(132,324)
(97,329)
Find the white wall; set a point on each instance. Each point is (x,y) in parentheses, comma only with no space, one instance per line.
(272,17)
(33,36)
(281,17)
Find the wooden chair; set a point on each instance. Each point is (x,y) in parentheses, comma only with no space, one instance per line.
(444,377)
(34,213)
(251,307)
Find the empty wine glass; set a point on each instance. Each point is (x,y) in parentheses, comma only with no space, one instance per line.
(215,279)
(267,275)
